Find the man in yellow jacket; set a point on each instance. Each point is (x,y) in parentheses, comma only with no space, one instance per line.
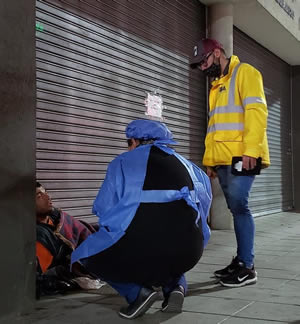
(236,128)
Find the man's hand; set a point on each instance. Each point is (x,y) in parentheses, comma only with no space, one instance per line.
(249,162)
(79,271)
(211,173)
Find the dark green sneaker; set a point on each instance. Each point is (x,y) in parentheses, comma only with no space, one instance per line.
(173,304)
(140,306)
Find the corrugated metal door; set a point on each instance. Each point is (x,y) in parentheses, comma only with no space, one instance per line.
(272,190)
(95,62)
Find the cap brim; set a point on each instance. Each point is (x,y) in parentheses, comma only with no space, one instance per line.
(196,61)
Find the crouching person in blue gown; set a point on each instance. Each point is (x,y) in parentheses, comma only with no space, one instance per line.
(152,210)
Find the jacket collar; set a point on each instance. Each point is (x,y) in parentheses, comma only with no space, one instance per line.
(233,62)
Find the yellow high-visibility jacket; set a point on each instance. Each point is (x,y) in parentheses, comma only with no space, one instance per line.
(238,116)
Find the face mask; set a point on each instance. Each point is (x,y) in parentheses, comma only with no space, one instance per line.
(213,71)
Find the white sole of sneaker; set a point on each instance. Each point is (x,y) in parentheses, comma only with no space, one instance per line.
(175,303)
(242,284)
(143,307)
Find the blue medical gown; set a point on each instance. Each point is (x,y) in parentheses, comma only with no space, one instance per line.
(122,192)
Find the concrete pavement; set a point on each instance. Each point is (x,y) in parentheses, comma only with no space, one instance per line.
(274,299)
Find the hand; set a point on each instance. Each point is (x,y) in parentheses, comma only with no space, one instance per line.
(211,173)
(79,271)
(249,162)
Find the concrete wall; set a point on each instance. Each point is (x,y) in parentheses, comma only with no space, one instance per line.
(296,133)
(287,12)
(220,27)
(17,158)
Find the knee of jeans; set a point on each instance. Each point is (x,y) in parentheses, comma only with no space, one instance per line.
(239,206)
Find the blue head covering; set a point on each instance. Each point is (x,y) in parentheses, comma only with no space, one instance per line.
(148,129)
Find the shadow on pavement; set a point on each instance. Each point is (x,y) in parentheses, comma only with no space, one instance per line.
(199,288)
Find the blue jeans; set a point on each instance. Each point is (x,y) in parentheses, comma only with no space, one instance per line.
(131,290)
(236,190)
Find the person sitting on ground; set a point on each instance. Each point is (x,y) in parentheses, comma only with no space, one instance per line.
(58,234)
(152,209)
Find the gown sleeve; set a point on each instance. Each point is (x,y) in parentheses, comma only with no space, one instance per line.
(111,190)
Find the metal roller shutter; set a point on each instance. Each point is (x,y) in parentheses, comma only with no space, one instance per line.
(95,62)
(272,190)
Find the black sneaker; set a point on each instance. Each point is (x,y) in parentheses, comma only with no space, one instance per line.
(228,270)
(140,306)
(173,304)
(240,277)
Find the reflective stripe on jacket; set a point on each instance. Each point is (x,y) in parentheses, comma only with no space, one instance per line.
(238,116)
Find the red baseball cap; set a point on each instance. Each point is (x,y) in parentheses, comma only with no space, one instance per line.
(203,47)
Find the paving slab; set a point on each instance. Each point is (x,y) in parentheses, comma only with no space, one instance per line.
(271,312)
